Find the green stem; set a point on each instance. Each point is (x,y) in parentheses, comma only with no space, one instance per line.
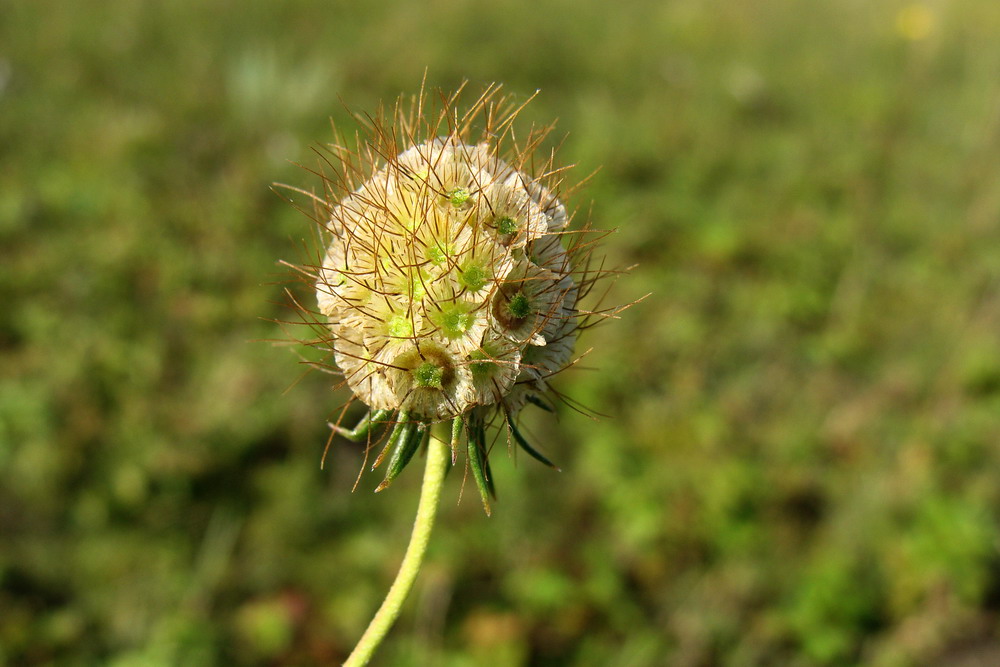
(438,457)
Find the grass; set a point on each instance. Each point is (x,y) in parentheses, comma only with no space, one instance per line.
(800,466)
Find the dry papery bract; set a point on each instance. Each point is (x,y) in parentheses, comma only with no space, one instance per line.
(447,278)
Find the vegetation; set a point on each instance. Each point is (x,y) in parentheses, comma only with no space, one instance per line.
(800,463)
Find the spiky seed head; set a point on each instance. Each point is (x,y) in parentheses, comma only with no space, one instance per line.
(444,269)
(444,284)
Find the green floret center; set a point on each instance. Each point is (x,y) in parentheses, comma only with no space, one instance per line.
(481,365)
(400,327)
(454,320)
(409,222)
(415,290)
(429,374)
(473,277)
(506,225)
(519,306)
(458,196)
(335,278)
(437,254)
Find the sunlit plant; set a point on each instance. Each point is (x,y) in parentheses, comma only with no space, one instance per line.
(447,289)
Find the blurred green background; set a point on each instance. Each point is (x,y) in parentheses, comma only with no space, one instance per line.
(801,466)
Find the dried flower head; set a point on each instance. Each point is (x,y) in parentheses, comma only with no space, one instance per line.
(448,285)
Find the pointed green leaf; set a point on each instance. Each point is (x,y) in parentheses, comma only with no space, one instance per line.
(367,423)
(537,402)
(402,419)
(478,461)
(411,435)
(527,447)
(456,435)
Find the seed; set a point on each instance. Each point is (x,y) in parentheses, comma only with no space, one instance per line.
(400,327)
(429,374)
(458,197)
(473,277)
(506,225)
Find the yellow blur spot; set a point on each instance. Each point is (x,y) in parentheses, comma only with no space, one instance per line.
(915,22)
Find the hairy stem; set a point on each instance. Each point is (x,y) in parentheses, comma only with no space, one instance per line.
(438,457)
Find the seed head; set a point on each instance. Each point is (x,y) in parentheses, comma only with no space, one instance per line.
(446,290)
(431,263)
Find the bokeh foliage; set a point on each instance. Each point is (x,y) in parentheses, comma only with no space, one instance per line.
(801,463)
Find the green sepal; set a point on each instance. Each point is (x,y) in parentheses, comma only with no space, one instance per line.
(486,459)
(539,403)
(364,427)
(456,435)
(480,463)
(402,419)
(535,454)
(411,436)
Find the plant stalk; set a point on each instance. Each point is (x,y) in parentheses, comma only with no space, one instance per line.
(438,457)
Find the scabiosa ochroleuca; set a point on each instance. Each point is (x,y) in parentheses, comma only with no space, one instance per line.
(447,290)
